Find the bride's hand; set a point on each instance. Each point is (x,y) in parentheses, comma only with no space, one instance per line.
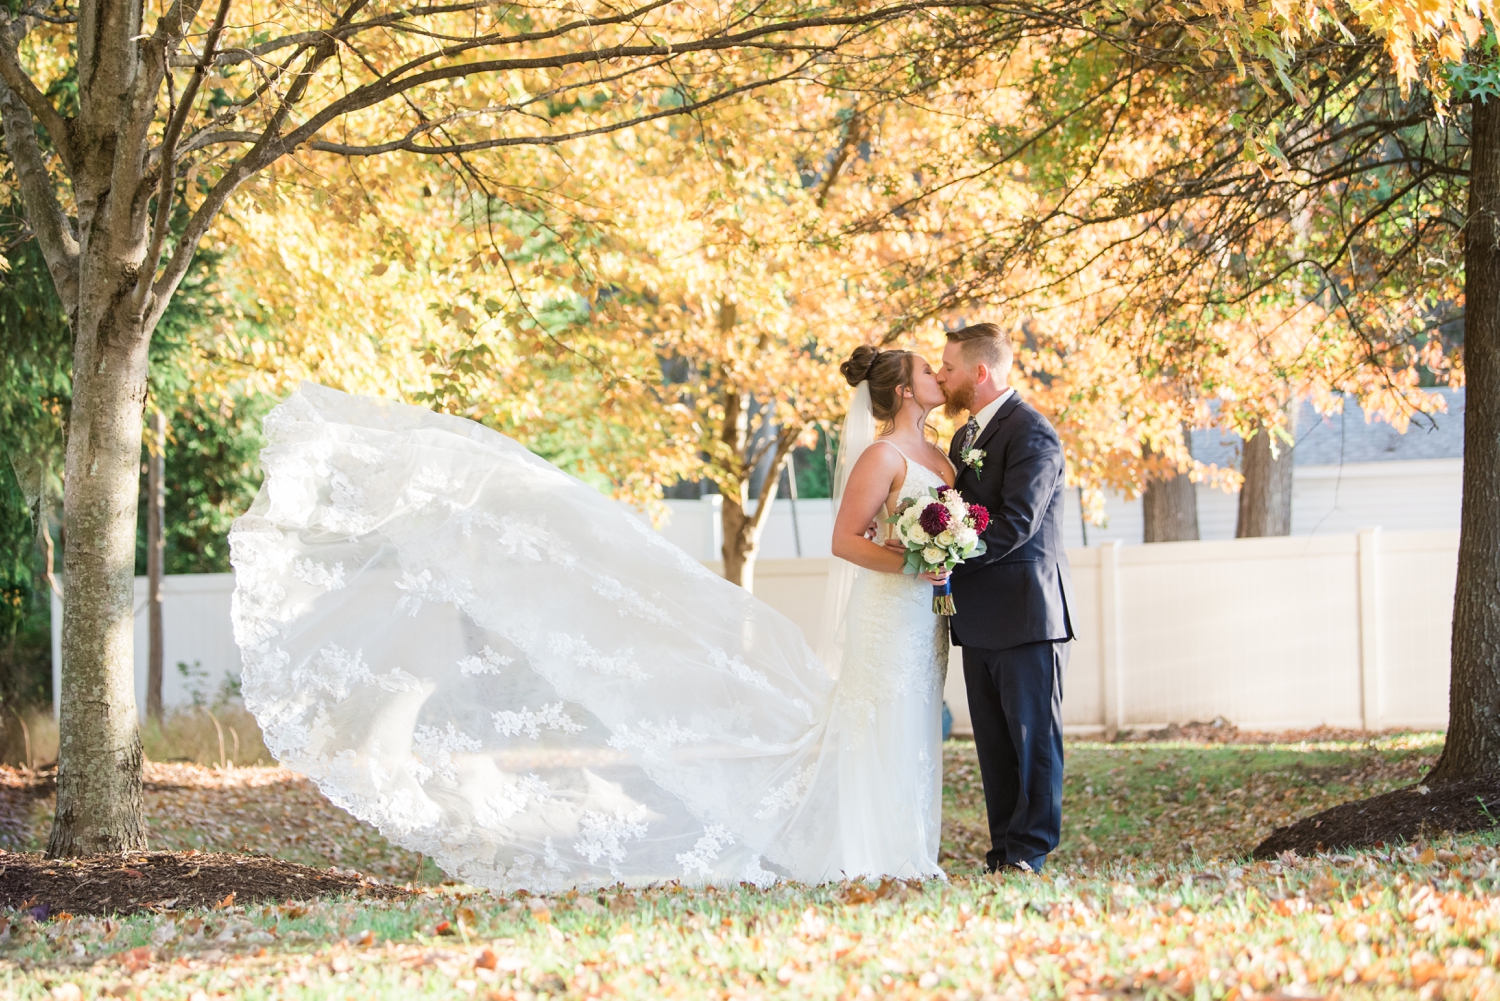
(934,576)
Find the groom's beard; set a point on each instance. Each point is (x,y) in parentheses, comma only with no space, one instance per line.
(958,400)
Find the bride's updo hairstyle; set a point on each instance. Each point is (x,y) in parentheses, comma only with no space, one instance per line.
(888,372)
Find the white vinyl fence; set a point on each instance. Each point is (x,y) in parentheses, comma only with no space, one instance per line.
(1271,634)
(1345,630)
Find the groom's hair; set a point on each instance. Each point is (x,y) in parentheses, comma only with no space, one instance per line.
(985,342)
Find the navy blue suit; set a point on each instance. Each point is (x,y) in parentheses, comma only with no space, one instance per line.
(1012,619)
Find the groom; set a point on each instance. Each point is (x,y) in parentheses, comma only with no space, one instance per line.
(1012,602)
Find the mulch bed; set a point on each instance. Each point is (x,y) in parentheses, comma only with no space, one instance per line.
(1403,815)
(139,881)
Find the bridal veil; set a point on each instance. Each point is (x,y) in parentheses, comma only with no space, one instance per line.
(503,669)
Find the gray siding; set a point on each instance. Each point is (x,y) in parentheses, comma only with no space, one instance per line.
(1337,439)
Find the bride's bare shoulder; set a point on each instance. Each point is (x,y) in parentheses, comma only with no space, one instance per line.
(889,456)
(881,461)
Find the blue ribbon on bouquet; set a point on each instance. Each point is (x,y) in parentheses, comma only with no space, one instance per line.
(942,597)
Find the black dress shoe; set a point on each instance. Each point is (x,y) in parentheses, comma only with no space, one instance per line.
(1005,867)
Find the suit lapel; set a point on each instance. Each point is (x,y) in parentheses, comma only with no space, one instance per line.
(1006,409)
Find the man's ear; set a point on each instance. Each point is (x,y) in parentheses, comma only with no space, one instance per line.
(981,374)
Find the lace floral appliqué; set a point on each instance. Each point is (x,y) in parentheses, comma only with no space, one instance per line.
(786,795)
(550,717)
(487,662)
(715,839)
(436,747)
(654,739)
(603,836)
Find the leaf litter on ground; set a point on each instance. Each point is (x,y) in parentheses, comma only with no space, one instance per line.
(1151,894)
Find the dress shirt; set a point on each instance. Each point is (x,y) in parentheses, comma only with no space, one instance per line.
(983,417)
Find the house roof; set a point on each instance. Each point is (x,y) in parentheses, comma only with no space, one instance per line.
(1335,439)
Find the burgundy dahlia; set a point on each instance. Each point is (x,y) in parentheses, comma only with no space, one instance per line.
(981,517)
(934,519)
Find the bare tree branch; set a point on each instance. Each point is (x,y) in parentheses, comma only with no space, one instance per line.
(168,157)
(45,214)
(20,83)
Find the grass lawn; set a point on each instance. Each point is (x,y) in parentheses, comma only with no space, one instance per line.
(1149,895)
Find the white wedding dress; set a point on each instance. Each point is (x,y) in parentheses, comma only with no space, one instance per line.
(499,667)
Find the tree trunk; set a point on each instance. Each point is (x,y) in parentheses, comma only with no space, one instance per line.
(1473,745)
(740,544)
(1170,507)
(1266,496)
(156,552)
(99,796)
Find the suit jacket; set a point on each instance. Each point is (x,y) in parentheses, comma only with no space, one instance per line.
(1020,590)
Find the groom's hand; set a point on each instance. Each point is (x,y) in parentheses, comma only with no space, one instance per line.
(873,532)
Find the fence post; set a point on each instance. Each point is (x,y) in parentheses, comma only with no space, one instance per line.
(1111,665)
(1369,628)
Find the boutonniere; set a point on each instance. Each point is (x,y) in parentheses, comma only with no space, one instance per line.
(974,459)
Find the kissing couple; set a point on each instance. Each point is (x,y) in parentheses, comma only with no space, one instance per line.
(503,669)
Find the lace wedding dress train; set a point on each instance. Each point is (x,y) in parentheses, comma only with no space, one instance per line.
(501,668)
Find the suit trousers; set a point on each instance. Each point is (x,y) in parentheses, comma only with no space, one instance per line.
(1015,702)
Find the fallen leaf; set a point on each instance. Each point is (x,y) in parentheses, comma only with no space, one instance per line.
(136,959)
(487,960)
(857,893)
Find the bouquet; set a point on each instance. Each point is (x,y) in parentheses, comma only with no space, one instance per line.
(939,532)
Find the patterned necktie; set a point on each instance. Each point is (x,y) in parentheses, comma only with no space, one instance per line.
(971,431)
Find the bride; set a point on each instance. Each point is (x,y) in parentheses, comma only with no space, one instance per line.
(501,668)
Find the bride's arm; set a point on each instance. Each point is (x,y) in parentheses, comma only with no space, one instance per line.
(869,485)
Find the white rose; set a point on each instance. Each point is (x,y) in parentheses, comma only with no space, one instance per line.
(945,538)
(934,555)
(967,537)
(918,534)
(956,506)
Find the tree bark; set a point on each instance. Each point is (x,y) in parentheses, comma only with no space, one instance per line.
(156,552)
(99,795)
(1266,496)
(743,530)
(1170,507)
(1473,745)
(740,546)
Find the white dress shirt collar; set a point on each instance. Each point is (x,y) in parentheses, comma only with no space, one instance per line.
(988,411)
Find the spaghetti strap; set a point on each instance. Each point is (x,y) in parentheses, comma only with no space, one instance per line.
(887,441)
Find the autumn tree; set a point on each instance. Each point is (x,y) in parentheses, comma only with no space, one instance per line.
(1189,168)
(113,113)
